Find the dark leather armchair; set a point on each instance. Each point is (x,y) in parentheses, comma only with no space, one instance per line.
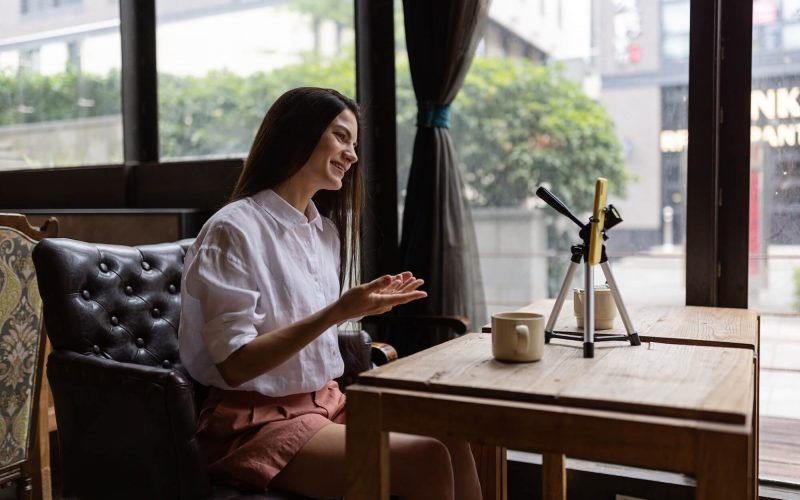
(407,334)
(125,407)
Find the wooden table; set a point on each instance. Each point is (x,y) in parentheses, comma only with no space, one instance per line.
(667,406)
(689,325)
(684,325)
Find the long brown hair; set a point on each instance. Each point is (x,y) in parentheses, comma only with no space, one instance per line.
(284,142)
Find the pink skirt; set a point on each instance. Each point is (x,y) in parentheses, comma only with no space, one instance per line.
(248,438)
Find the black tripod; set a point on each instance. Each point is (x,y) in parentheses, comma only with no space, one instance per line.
(581,252)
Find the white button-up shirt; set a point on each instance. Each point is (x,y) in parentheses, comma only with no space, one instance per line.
(257,265)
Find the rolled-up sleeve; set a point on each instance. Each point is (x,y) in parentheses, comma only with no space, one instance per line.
(227,295)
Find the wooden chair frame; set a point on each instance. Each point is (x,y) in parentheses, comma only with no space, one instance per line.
(33,475)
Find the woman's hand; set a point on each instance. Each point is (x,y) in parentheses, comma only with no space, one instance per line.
(379,296)
(272,348)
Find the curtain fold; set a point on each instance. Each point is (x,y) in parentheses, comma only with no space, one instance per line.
(438,240)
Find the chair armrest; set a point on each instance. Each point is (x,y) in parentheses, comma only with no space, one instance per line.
(413,333)
(383,353)
(360,353)
(355,349)
(125,425)
(458,324)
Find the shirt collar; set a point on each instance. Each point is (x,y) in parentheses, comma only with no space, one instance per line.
(283,212)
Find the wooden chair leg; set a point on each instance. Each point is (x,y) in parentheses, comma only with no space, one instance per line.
(39,468)
(24,488)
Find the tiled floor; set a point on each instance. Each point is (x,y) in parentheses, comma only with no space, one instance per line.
(780,399)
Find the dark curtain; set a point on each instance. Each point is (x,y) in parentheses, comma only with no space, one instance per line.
(438,239)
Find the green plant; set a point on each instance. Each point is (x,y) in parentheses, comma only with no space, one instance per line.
(515,125)
(62,96)
(518,125)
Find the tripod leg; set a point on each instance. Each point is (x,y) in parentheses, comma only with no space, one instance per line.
(562,294)
(623,312)
(588,311)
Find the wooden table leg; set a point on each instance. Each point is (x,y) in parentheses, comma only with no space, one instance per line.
(723,466)
(492,470)
(367,447)
(554,476)
(756,417)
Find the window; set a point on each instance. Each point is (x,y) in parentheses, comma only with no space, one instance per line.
(221,64)
(675,29)
(774,271)
(520,121)
(38,6)
(60,87)
(774,221)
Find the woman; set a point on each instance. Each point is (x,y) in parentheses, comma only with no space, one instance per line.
(261,304)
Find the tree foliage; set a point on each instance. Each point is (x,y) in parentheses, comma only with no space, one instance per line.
(38,98)
(518,125)
(515,125)
(218,114)
(338,11)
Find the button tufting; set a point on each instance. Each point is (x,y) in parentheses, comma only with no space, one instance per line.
(114,320)
(86,295)
(172,289)
(145,265)
(140,342)
(103,267)
(96,349)
(166,363)
(156,313)
(128,290)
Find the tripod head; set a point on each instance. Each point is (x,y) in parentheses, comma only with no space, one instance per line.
(612,215)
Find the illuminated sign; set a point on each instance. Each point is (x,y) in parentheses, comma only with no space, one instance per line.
(775,118)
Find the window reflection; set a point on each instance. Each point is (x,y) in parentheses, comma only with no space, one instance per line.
(590,96)
(59,83)
(241,56)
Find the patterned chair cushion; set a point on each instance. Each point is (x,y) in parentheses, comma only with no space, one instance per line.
(20,344)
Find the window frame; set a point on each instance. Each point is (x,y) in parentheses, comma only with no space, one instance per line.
(719,76)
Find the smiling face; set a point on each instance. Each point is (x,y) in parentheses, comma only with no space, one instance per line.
(333,156)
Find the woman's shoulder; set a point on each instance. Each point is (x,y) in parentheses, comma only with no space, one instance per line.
(229,222)
(329,228)
(328,224)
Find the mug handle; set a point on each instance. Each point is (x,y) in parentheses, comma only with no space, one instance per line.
(522,339)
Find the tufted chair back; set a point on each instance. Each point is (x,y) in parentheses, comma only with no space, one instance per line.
(125,407)
(114,302)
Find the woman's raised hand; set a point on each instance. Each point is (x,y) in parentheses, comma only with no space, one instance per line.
(379,296)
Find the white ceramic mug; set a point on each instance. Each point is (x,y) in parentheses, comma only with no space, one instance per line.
(517,336)
(605,310)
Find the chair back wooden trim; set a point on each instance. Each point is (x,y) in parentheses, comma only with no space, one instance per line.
(19,222)
(34,474)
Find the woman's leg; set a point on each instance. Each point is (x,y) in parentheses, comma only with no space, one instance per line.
(465,473)
(420,467)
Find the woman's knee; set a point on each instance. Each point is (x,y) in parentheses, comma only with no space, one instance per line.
(431,451)
(421,461)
